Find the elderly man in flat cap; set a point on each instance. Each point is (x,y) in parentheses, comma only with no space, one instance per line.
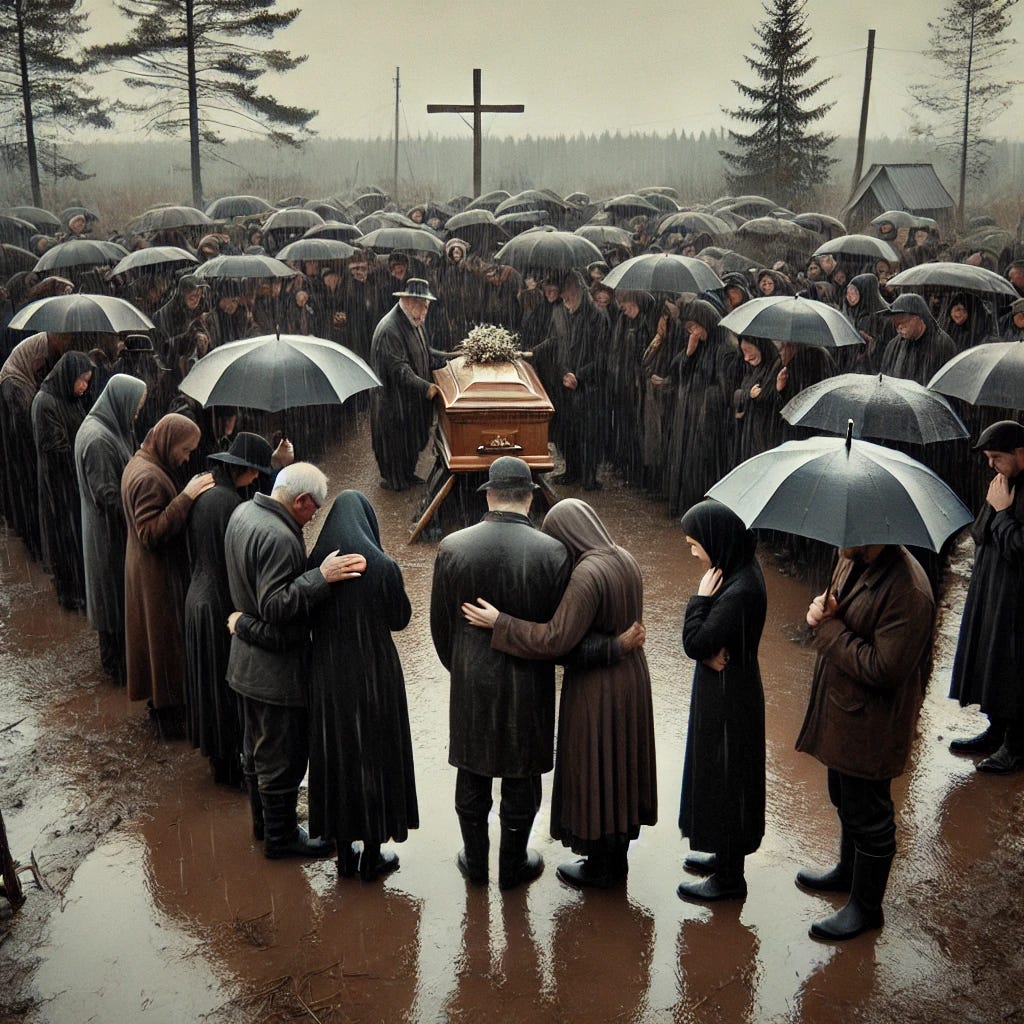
(989,659)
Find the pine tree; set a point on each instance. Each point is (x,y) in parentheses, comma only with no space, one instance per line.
(197,57)
(781,158)
(42,92)
(965,95)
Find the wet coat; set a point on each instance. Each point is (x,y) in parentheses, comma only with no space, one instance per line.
(757,419)
(605,781)
(871,670)
(990,650)
(156,565)
(871,322)
(722,806)
(921,358)
(361,779)
(103,445)
(268,579)
(629,341)
(501,709)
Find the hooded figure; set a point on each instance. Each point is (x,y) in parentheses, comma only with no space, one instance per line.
(865,308)
(722,808)
(968,322)
(361,779)
(58,409)
(754,406)
(920,347)
(103,446)
(156,568)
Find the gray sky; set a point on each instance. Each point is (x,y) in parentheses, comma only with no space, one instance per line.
(583,67)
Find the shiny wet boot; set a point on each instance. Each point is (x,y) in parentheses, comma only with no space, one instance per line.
(863,911)
(472,858)
(838,878)
(517,864)
(725,883)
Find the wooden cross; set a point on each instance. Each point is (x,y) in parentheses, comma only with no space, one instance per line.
(476,109)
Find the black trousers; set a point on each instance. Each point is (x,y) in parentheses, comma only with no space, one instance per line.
(276,745)
(865,812)
(520,798)
(112,654)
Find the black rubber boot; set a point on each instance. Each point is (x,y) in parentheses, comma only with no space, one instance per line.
(863,911)
(592,872)
(517,865)
(255,806)
(472,858)
(348,859)
(838,878)
(701,863)
(987,742)
(375,862)
(726,883)
(284,836)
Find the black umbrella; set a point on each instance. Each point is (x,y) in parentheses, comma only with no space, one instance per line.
(44,221)
(662,272)
(629,206)
(989,374)
(370,201)
(292,220)
(79,314)
(335,229)
(14,259)
(15,231)
(690,222)
(386,219)
(865,247)
(903,219)
(166,218)
(277,372)
(81,252)
(478,228)
(606,234)
(153,256)
(844,492)
(242,267)
(517,223)
(961,277)
(228,207)
(889,408)
(791,318)
(489,200)
(548,250)
(662,203)
(405,239)
(316,249)
(821,223)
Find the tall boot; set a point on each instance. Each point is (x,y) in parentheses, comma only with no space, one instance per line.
(837,878)
(1010,755)
(255,806)
(863,911)
(725,883)
(374,862)
(516,863)
(472,858)
(284,836)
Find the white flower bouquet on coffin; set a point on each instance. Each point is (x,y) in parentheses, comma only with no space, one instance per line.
(489,343)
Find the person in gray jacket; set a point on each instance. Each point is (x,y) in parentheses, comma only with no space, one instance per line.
(273,594)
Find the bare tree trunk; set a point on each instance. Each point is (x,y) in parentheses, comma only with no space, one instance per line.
(193,106)
(960,212)
(26,99)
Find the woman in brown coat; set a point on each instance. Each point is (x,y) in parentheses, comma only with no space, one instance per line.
(605,784)
(156,567)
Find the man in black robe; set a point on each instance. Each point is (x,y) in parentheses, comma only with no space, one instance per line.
(920,347)
(990,649)
(502,709)
(401,410)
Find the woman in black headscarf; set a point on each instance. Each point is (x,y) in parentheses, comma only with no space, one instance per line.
(361,779)
(865,308)
(754,400)
(967,322)
(57,412)
(722,807)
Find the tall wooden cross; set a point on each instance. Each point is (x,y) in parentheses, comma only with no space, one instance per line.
(476,109)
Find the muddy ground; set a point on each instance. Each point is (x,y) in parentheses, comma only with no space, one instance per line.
(157,906)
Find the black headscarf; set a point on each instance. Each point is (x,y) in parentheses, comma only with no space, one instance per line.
(722,534)
(351,527)
(60,381)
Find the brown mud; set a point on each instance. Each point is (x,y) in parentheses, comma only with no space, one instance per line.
(159,907)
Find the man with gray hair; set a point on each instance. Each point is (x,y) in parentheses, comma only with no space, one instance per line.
(273,594)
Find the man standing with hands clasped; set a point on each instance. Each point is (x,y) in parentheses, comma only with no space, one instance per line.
(990,650)
(872,630)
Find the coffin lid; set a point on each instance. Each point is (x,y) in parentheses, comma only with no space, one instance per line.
(475,386)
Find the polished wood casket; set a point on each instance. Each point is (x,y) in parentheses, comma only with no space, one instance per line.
(492,409)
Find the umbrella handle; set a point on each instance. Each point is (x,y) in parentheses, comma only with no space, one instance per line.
(849,434)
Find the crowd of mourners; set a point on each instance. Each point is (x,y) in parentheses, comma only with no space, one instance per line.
(160,519)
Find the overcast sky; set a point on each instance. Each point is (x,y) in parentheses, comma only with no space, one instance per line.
(583,67)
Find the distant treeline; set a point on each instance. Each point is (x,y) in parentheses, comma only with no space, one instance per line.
(131,176)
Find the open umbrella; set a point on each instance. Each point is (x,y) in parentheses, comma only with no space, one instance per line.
(241,267)
(903,219)
(386,219)
(843,492)
(662,272)
(865,247)
(316,249)
(606,234)
(548,250)
(957,276)
(478,228)
(661,202)
(791,318)
(405,239)
(691,222)
(334,229)
(889,408)
(228,207)
(489,200)
(821,223)
(15,231)
(153,256)
(165,218)
(44,221)
(77,314)
(292,220)
(370,201)
(81,252)
(275,372)
(989,374)
(14,259)
(520,221)
(630,206)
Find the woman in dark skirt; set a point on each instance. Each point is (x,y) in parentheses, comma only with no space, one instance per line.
(723,797)
(361,780)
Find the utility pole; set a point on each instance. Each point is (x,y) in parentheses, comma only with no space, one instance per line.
(858,165)
(394,178)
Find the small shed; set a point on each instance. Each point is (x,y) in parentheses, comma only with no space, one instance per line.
(912,187)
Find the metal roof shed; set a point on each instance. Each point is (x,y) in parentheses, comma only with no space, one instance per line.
(912,187)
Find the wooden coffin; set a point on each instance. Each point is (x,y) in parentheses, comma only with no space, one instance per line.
(489,410)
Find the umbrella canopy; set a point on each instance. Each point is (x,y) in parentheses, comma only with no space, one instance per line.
(903,219)
(523,220)
(957,276)
(406,239)
(81,252)
(386,219)
(14,259)
(862,246)
(821,223)
(775,227)
(989,374)
(326,209)
(44,221)
(629,206)
(164,218)
(890,408)
(228,207)
(275,372)
(691,222)
(77,314)
(478,228)
(605,234)
(370,201)
(844,492)
(292,220)
(548,250)
(316,249)
(791,318)
(532,199)
(489,200)
(15,231)
(153,256)
(335,229)
(662,272)
(661,202)
(240,267)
